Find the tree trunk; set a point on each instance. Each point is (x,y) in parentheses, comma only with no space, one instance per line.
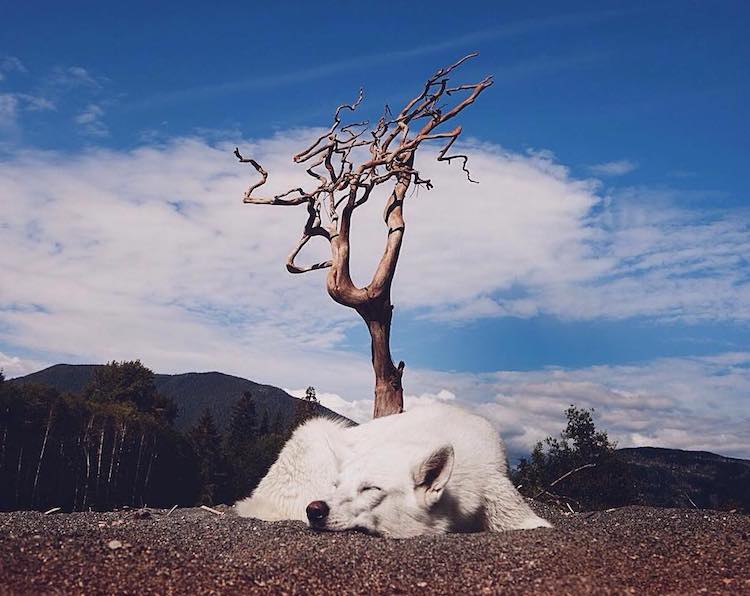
(18,476)
(41,457)
(99,464)
(389,393)
(137,469)
(88,463)
(2,451)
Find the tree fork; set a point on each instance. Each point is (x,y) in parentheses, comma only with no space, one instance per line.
(342,186)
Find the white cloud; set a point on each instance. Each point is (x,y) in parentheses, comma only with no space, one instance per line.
(90,119)
(614,168)
(13,104)
(162,230)
(151,254)
(13,366)
(522,242)
(683,403)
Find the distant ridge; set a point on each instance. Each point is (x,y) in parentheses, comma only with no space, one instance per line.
(192,392)
(679,478)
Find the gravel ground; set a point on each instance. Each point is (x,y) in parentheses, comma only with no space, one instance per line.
(192,551)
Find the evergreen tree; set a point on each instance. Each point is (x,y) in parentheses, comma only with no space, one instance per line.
(277,428)
(305,408)
(211,460)
(76,453)
(243,423)
(240,447)
(579,444)
(132,384)
(265,425)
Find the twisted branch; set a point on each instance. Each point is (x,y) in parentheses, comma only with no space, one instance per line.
(342,186)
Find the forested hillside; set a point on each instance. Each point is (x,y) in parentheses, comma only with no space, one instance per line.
(107,436)
(191,392)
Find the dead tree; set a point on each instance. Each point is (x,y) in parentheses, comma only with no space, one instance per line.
(343,186)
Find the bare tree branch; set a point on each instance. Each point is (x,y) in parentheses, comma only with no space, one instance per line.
(343,185)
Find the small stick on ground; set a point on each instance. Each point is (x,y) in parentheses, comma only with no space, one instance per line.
(56,509)
(212,510)
(171,510)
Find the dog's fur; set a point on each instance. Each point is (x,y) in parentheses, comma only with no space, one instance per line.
(431,470)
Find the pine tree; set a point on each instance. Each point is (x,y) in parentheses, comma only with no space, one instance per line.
(212,462)
(305,408)
(579,446)
(265,425)
(243,423)
(241,446)
(130,383)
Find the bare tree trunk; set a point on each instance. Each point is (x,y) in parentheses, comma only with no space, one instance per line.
(99,462)
(18,475)
(88,464)
(343,186)
(2,453)
(123,435)
(152,457)
(389,392)
(41,456)
(76,484)
(137,468)
(111,465)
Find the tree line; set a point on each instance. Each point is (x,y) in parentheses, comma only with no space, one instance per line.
(579,469)
(115,444)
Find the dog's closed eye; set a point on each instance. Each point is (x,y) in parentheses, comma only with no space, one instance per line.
(367,488)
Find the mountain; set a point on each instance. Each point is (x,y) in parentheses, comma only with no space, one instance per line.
(657,477)
(192,392)
(677,478)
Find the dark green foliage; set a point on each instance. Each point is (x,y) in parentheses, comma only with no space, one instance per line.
(243,425)
(641,476)
(305,408)
(192,392)
(250,451)
(579,444)
(213,466)
(110,441)
(66,451)
(130,384)
(676,478)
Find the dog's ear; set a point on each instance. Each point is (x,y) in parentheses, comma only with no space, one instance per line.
(432,474)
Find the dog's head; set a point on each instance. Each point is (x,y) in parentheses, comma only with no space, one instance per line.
(386,493)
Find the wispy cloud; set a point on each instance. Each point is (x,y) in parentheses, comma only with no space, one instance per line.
(8,111)
(90,120)
(154,247)
(13,104)
(614,168)
(465,43)
(10,64)
(71,77)
(13,366)
(684,403)
(627,260)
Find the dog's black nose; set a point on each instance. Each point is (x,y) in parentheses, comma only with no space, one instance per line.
(317,511)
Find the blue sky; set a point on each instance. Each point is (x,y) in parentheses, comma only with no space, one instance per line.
(611,258)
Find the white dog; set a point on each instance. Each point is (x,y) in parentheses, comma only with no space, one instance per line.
(431,470)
